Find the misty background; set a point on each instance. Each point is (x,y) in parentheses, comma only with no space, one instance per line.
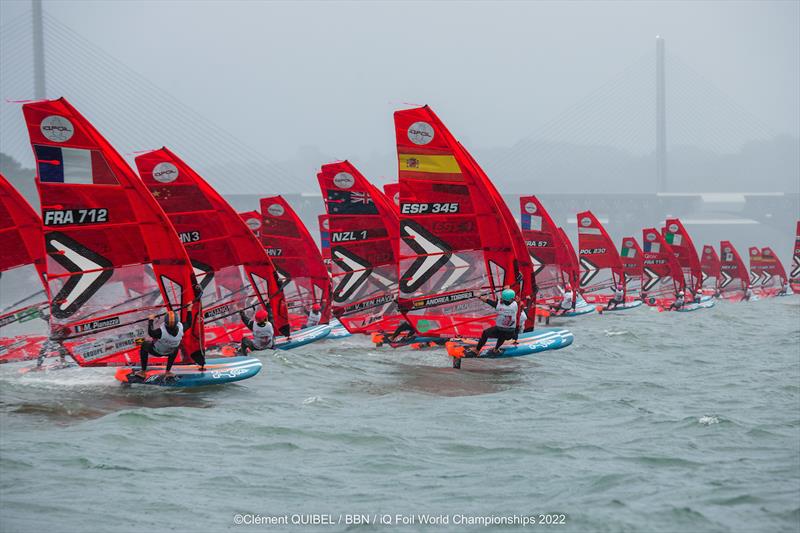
(552,98)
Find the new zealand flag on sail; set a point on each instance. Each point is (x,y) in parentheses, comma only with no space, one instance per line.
(350,203)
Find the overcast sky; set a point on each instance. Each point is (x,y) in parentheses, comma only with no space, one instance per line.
(284,75)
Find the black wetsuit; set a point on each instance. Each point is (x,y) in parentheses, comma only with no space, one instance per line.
(677,304)
(148,347)
(403,327)
(501,334)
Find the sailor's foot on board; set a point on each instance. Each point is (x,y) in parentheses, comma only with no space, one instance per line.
(140,374)
(168,375)
(494,351)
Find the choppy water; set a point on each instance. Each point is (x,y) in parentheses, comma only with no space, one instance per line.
(649,422)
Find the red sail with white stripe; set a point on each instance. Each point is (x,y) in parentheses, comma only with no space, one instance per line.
(680,241)
(230,264)
(662,275)
(457,243)
(104,233)
(23,289)
(364,235)
(301,272)
(631,256)
(767,275)
(794,274)
(734,277)
(546,249)
(710,267)
(600,264)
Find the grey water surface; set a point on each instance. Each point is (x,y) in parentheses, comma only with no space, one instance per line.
(648,422)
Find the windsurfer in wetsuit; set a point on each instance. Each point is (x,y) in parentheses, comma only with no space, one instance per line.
(314,316)
(748,293)
(523,318)
(263,332)
(698,295)
(678,303)
(505,327)
(166,341)
(401,329)
(784,288)
(567,301)
(619,297)
(54,344)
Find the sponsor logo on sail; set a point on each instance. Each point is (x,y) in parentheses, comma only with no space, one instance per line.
(530,208)
(420,133)
(276,210)
(57,129)
(344,180)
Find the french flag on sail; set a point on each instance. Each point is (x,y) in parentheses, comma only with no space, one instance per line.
(652,247)
(72,165)
(531,222)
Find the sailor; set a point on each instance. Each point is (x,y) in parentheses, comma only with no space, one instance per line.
(698,295)
(678,303)
(403,328)
(784,288)
(263,332)
(748,293)
(505,327)
(314,316)
(54,344)
(567,300)
(619,297)
(166,342)
(523,318)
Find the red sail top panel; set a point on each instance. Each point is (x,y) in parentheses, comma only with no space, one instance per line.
(631,257)
(103,233)
(710,266)
(456,245)
(767,275)
(253,221)
(680,241)
(364,235)
(229,261)
(301,271)
(663,277)
(546,250)
(569,260)
(734,277)
(600,265)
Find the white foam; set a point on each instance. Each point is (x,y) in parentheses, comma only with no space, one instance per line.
(708,420)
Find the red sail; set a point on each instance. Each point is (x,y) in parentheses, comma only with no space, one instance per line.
(229,262)
(663,277)
(794,275)
(253,221)
(734,278)
(631,256)
(600,264)
(680,241)
(549,255)
(457,241)
(364,235)
(104,233)
(710,266)
(23,289)
(767,275)
(392,192)
(569,259)
(325,240)
(295,255)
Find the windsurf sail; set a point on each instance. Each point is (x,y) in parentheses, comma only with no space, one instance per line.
(569,262)
(767,275)
(601,268)
(549,255)
(392,192)
(794,274)
(662,275)
(710,266)
(364,235)
(734,277)
(681,243)
(104,233)
(325,240)
(23,289)
(253,221)
(458,237)
(230,264)
(631,256)
(301,273)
